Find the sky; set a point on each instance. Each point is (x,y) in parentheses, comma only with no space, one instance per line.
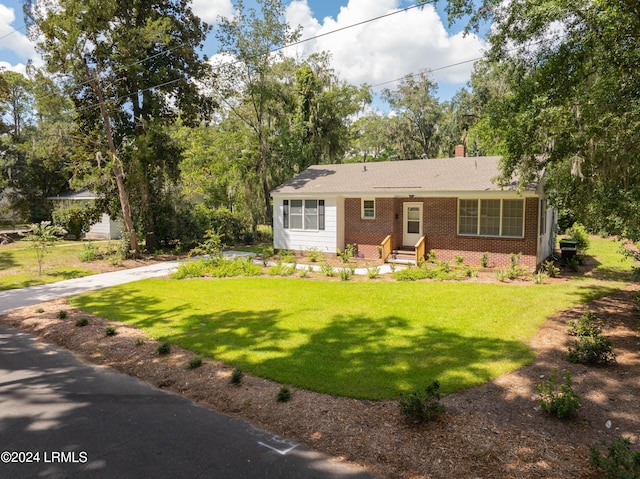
(378,53)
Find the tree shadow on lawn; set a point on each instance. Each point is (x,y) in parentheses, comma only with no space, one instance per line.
(7,260)
(355,356)
(360,356)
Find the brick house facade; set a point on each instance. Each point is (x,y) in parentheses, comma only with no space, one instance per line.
(452,205)
(440,229)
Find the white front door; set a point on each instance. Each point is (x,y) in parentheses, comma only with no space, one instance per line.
(412,230)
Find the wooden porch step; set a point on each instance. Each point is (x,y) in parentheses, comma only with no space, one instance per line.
(402,256)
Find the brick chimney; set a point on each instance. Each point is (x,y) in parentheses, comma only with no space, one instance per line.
(460,151)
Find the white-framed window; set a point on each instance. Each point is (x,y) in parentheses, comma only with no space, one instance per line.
(303,214)
(368,209)
(543,217)
(491,217)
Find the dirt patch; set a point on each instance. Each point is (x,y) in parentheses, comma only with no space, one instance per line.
(493,431)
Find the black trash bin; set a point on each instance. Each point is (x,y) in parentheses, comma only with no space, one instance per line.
(568,249)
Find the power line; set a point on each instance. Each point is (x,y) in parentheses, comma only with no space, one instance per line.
(427,69)
(298,42)
(13,30)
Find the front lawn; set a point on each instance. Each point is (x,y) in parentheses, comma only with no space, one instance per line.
(359,339)
(19,268)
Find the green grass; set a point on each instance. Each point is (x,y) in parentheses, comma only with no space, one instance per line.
(365,340)
(19,267)
(611,264)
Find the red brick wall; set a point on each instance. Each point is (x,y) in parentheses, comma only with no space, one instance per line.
(368,234)
(440,228)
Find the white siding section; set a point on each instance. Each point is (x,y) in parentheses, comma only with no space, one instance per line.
(106,228)
(300,240)
(547,241)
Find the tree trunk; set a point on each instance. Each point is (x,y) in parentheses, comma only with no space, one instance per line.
(117,167)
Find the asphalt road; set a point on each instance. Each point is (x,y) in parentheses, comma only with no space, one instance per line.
(60,417)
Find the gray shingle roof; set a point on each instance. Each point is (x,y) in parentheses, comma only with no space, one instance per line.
(389,177)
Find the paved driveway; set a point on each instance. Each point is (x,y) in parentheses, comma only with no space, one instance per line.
(60,417)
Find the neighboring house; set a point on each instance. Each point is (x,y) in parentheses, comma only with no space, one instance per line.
(8,214)
(449,205)
(105,228)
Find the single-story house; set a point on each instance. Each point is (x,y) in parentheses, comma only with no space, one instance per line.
(105,228)
(449,205)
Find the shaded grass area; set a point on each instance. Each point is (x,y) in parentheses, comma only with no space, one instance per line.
(610,263)
(19,267)
(364,340)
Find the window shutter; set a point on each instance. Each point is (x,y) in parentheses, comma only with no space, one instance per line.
(320,214)
(285,214)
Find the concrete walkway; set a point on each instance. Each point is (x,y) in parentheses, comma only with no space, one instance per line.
(20,298)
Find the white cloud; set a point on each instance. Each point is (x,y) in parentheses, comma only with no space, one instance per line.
(388,48)
(12,40)
(208,10)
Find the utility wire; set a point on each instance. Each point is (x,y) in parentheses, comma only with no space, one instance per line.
(298,42)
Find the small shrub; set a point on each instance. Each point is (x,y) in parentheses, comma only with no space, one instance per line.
(281,269)
(540,277)
(432,256)
(164,348)
(40,310)
(89,253)
(459,259)
(194,362)
(313,254)
(327,270)
(556,399)
(62,314)
(234,267)
(304,272)
(594,349)
(348,252)
(422,406)
(620,462)
(470,272)
(284,394)
(444,266)
(410,274)
(484,260)
(287,256)
(550,269)
(574,263)
(236,376)
(212,246)
(373,272)
(110,331)
(82,322)
(579,233)
(587,325)
(345,274)
(515,271)
(191,269)
(501,274)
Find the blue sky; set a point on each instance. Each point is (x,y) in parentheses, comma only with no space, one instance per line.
(375,53)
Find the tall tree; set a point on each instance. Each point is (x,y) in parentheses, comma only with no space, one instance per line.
(324,111)
(573,107)
(251,91)
(418,110)
(36,148)
(131,67)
